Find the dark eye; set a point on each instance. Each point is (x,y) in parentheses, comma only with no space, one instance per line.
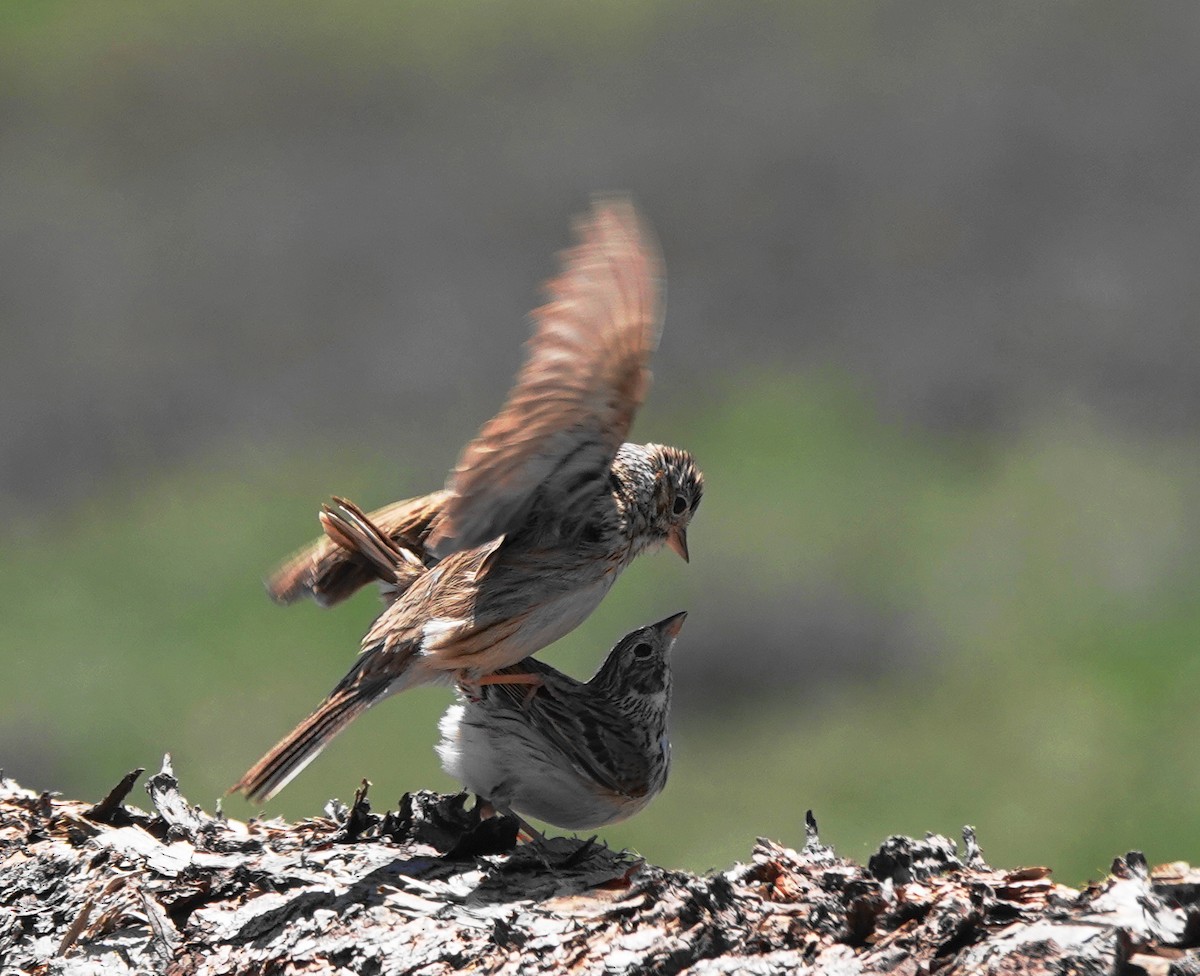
(643,651)
(680,505)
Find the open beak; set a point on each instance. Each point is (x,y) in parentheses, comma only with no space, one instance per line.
(672,625)
(677,540)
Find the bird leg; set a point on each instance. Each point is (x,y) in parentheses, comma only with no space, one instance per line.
(485,808)
(536,837)
(473,687)
(510,679)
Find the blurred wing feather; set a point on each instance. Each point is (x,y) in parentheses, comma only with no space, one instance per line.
(585,375)
(347,525)
(329,573)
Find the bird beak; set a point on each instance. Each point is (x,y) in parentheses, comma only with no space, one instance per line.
(672,625)
(677,540)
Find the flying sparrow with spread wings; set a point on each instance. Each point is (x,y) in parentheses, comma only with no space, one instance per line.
(575,754)
(544,510)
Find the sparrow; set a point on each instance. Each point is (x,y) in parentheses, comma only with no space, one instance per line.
(575,754)
(544,509)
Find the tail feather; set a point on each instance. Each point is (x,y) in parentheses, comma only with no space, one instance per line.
(304,743)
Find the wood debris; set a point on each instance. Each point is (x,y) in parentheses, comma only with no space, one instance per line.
(432,889)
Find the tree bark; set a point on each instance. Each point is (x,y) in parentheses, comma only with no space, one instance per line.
(432,889)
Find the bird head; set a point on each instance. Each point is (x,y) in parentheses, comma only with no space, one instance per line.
(665,486)
(639,666)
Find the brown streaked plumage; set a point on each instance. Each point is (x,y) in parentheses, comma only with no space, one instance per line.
(544,510)
(576,754)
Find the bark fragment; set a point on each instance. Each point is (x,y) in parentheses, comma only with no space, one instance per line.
(429,888)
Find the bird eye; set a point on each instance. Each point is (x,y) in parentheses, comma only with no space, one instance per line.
(680,505)
(643,651)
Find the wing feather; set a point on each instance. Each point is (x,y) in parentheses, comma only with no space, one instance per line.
(598,742)
(329,573)
(593,736)
(585,375)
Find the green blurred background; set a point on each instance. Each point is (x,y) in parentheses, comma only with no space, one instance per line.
(931,334)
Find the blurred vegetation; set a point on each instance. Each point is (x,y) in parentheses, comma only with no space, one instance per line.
(1050,577)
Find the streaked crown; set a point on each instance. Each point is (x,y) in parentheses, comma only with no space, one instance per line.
(666,485)
(639,665)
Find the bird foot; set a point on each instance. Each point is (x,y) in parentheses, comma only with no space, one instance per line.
(473,687)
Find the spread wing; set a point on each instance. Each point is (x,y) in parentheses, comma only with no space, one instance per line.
(329,572)
(585,375)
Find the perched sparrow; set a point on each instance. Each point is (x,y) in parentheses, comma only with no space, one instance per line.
(575,754)
(544,510)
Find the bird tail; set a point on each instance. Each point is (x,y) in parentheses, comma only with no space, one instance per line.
(304,743)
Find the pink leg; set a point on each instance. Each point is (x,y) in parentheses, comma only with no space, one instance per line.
(510,679)
(472,687)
